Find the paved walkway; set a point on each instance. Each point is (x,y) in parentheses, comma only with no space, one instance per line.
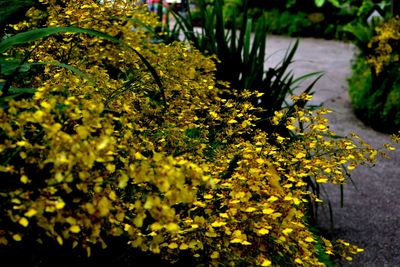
(370,217)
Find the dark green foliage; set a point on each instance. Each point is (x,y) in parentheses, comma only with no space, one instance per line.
(376,99)
(305,18)
(375,96)
(287,23)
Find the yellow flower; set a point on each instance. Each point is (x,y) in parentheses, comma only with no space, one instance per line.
(250,209)
(173,245)
(23,221)
(263,231)
(30,213)
(17,237)
(287,231)
(75,229)
(268,211)
(217,224)
(24,179)
(266,263)
(300,155)
(214,255)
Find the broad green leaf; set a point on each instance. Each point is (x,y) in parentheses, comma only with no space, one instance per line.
(8,66)
(36,34)
(15,92)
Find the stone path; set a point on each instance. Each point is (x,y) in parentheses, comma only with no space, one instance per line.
(370,217)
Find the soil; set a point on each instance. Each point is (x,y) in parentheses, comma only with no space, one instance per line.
(370,217)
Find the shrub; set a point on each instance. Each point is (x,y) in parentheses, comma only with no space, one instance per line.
(375,83)
(139,146)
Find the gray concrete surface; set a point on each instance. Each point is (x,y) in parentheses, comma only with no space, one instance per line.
(370,217)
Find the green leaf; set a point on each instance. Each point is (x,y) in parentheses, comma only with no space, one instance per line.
(36,34)
(15,90)
(8,66)
(335,3)
(246,45)
(319,3)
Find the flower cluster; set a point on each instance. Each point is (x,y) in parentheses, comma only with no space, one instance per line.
(386,45)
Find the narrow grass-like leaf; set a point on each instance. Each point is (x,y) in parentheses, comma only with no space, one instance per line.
(186,27)
(244,21)
(246,42)
(341,196)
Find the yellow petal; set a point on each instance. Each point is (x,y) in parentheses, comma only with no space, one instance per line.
(291,127)
(299,261)
(17,237)
(208,196)
(287,231)
(300,155)
(24,179)
(266,263)
(218,224)
(172,227)
(23,221)
(215,255)
(104,206)
(268,211)
(183,246)
(30,213)
(250,209)
(75,229)
(272,199)
(110,167)
(236,240)
(263,231)
(38,115)
(173,245)
(127,227)
(60,240)
(60,204)
(309,239)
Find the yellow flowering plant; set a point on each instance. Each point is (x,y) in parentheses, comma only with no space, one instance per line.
(159,160)
(385,44)
(375,83)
